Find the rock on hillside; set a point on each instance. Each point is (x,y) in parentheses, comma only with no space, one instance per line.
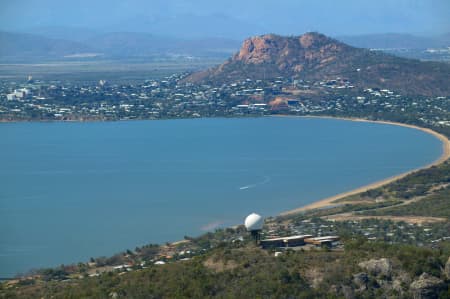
(426,287)
(447,269)
(314,56)
(381,266)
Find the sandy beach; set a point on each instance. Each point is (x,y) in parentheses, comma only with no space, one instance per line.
(329,200)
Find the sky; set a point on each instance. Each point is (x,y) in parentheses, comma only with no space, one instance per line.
(333,17)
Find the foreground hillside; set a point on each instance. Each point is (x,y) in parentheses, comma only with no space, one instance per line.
(363,270)
(313,56)
(405,255)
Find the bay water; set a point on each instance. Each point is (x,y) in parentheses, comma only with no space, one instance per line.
(71,191)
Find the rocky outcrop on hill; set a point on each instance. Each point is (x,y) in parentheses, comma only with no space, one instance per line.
(380,267)
(447,269)
(389,280)
(361,280)
(314,56)
(290,54)
(426,287)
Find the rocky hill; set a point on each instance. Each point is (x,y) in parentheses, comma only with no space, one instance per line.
(313,56)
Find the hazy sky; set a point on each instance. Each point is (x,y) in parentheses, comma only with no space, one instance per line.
(335,17)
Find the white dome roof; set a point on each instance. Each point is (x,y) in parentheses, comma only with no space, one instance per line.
(254,222)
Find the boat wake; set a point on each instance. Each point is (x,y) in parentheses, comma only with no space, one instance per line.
(264,181)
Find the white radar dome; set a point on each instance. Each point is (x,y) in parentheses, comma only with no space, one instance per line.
(253,222)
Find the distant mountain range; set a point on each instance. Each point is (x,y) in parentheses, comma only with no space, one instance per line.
(396,41)
(64,43)
(24,47)
(126,44)
(314,56)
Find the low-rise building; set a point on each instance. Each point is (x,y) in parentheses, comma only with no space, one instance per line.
(328,241)
(291,241)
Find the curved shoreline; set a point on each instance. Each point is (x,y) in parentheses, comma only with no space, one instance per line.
(328,201)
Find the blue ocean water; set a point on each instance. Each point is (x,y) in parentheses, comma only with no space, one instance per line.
(71,191)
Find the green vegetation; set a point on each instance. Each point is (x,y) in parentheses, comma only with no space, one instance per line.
(419,183)
(424,193)
(356,207)
(436,205)
(249,272)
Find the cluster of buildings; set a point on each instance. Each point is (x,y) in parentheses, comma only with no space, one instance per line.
(300,234)
(372,229)
(254,224)
(170,97)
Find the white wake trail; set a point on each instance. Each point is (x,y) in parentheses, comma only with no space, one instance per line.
(264,181)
